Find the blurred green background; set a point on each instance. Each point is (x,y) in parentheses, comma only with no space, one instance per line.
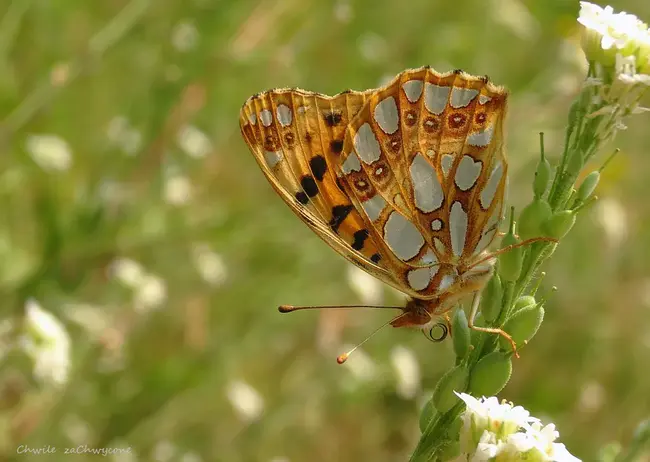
(134,213)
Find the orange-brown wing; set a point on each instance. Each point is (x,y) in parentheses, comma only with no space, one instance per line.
(420,159)
(297,137)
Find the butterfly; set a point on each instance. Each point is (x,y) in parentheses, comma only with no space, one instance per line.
(406,181)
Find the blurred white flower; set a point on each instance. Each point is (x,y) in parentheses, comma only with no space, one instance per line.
(372,47)
(343,11)
(94,319)
(246,401)
(121,134)
(48,344)
(185,36)
(178,190)
(613,218)
(408,371)
(366,287)
(50,152)
(191,457)
(209,264)
(164,451)
(592,397)
(128,272)
(151,293)
(514,15)
(508,433)
(194,142)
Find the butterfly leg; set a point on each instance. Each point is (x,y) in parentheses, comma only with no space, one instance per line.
(492,330)
(508,248)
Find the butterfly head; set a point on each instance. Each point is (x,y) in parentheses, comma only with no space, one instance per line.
(420,314)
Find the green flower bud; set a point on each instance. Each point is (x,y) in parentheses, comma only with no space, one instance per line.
(588,185)
(522,326)
(491,299)
(524,301)
(532,217)
(460,334)
(559,224)
(542,177)
(490,374)
(510,262)
(427,413)
(454,380)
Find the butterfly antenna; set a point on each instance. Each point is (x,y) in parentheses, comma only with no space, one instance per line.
(344,356)
(290,308)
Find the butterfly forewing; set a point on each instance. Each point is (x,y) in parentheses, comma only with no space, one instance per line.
(297,138)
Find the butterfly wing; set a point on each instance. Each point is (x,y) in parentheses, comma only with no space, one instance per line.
(296,138)
(424,161)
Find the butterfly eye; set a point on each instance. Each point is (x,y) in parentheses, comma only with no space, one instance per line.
(438,332)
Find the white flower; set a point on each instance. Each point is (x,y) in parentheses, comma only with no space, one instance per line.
(151,293)
(48,343)
(368,289)
(50,152)
(178,190)
(507,433)
(194,142)
(185,36)
(408,371)
(209,264)
(128,272)
(246,401)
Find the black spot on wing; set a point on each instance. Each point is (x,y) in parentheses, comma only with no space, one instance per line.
(336,146)
(375,258)
(359,238)
(332,118)
(318,167)
(302,197)
(309,185)
(339,213)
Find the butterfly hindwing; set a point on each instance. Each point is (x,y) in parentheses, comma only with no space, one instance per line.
(417,158)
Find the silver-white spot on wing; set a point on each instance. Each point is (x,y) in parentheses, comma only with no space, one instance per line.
(481,138)
(426,186)
(440,246)
(386,115)
(272,158)
(446,161)
(413,90)
(402,237)
(461,97)
(366,144)
(436,225)
(374,206)
(284,115)
(266,117)
(429,258)
(446,282)
(457,228)
(252,118)
(487,195)
(467,172)
(351,164)
(483,99)
(435,98)
(420,278)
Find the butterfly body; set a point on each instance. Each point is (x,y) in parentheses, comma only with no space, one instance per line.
(406,181)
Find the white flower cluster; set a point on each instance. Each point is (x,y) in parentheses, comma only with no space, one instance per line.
(502,432)
(608,37)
